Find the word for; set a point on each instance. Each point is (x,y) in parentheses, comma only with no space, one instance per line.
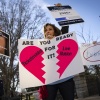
(27,43)
(50,48)
(64,36)
(32,57)
(45,42)
(51,56)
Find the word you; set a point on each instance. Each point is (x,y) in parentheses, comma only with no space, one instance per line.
(45,42)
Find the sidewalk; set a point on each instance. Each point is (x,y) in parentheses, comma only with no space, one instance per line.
(96,97)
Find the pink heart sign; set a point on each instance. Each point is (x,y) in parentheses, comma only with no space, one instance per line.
(67,50)
(31,59)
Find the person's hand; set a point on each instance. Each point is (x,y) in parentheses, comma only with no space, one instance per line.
(94,42)
(58,4)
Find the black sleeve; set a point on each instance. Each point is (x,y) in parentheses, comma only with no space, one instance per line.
(65,29)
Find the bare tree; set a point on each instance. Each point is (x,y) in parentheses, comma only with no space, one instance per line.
(18,18)
(87,36)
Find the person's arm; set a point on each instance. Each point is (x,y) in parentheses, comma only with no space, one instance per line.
(65,29)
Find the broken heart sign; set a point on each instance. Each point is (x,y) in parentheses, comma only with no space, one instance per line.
(31,59)
(67,50)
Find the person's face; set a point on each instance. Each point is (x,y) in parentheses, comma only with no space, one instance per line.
(49,32)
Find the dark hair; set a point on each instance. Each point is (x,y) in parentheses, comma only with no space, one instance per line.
(56,30)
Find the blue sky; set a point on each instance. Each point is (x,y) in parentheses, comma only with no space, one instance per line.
(87,9)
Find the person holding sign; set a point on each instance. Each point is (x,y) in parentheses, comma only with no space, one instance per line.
(65,86)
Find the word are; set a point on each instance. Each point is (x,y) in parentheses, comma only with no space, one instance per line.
(45,42)
(27,43)
(32,57)
(50,48)
(64,36)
